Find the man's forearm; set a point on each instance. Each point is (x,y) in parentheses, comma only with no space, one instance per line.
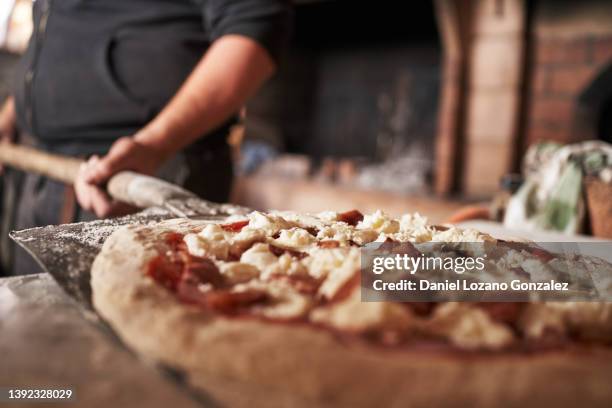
(230,72)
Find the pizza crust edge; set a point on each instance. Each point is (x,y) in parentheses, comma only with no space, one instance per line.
(243,361)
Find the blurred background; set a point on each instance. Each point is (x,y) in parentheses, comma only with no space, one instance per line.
(425,108)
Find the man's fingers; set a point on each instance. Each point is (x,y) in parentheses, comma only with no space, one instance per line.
(90,197)
(98,170)
(87,168)
(103,168)
(100,202)
(81,188)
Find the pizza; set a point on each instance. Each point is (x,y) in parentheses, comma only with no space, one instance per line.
(265,309)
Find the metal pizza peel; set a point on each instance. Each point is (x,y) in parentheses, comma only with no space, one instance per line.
(67,251)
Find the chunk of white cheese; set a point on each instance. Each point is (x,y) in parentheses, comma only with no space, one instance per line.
(260,256)
(268,223)
(467,327)
(354,315)
(294,238)
(237,272)
(379,222)
(212,241)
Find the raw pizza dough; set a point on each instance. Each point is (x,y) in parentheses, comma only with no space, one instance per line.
(252,361)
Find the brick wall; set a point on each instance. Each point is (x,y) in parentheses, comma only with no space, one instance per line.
(483,88)
(571,45)
(525,66)
(494,94)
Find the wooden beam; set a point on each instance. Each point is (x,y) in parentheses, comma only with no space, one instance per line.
(453,17)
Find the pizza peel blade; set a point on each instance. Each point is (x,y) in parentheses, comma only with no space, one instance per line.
(67,252)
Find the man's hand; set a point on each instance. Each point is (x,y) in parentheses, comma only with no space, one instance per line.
(125,154)
(227,75)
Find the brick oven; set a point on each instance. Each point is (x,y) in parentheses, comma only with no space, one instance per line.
(483,93)
(571,87)
(447,80)
(517,72)
(360,82)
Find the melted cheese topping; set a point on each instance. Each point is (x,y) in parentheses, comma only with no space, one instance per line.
(591,320)
(238,272)
(298,252)
(295,238)
(468,327)
(344,234)
(260,256)
(379,222)
(461,235)
(355,315)
(335,265)
(286,303)
(212,241)
(267,223)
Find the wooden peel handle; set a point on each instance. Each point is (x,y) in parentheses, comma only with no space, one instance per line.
(132,188)
(144,191)
(28,159)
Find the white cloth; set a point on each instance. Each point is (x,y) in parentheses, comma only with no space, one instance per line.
(551,196)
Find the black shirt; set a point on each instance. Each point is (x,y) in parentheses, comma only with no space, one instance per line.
(96,70)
